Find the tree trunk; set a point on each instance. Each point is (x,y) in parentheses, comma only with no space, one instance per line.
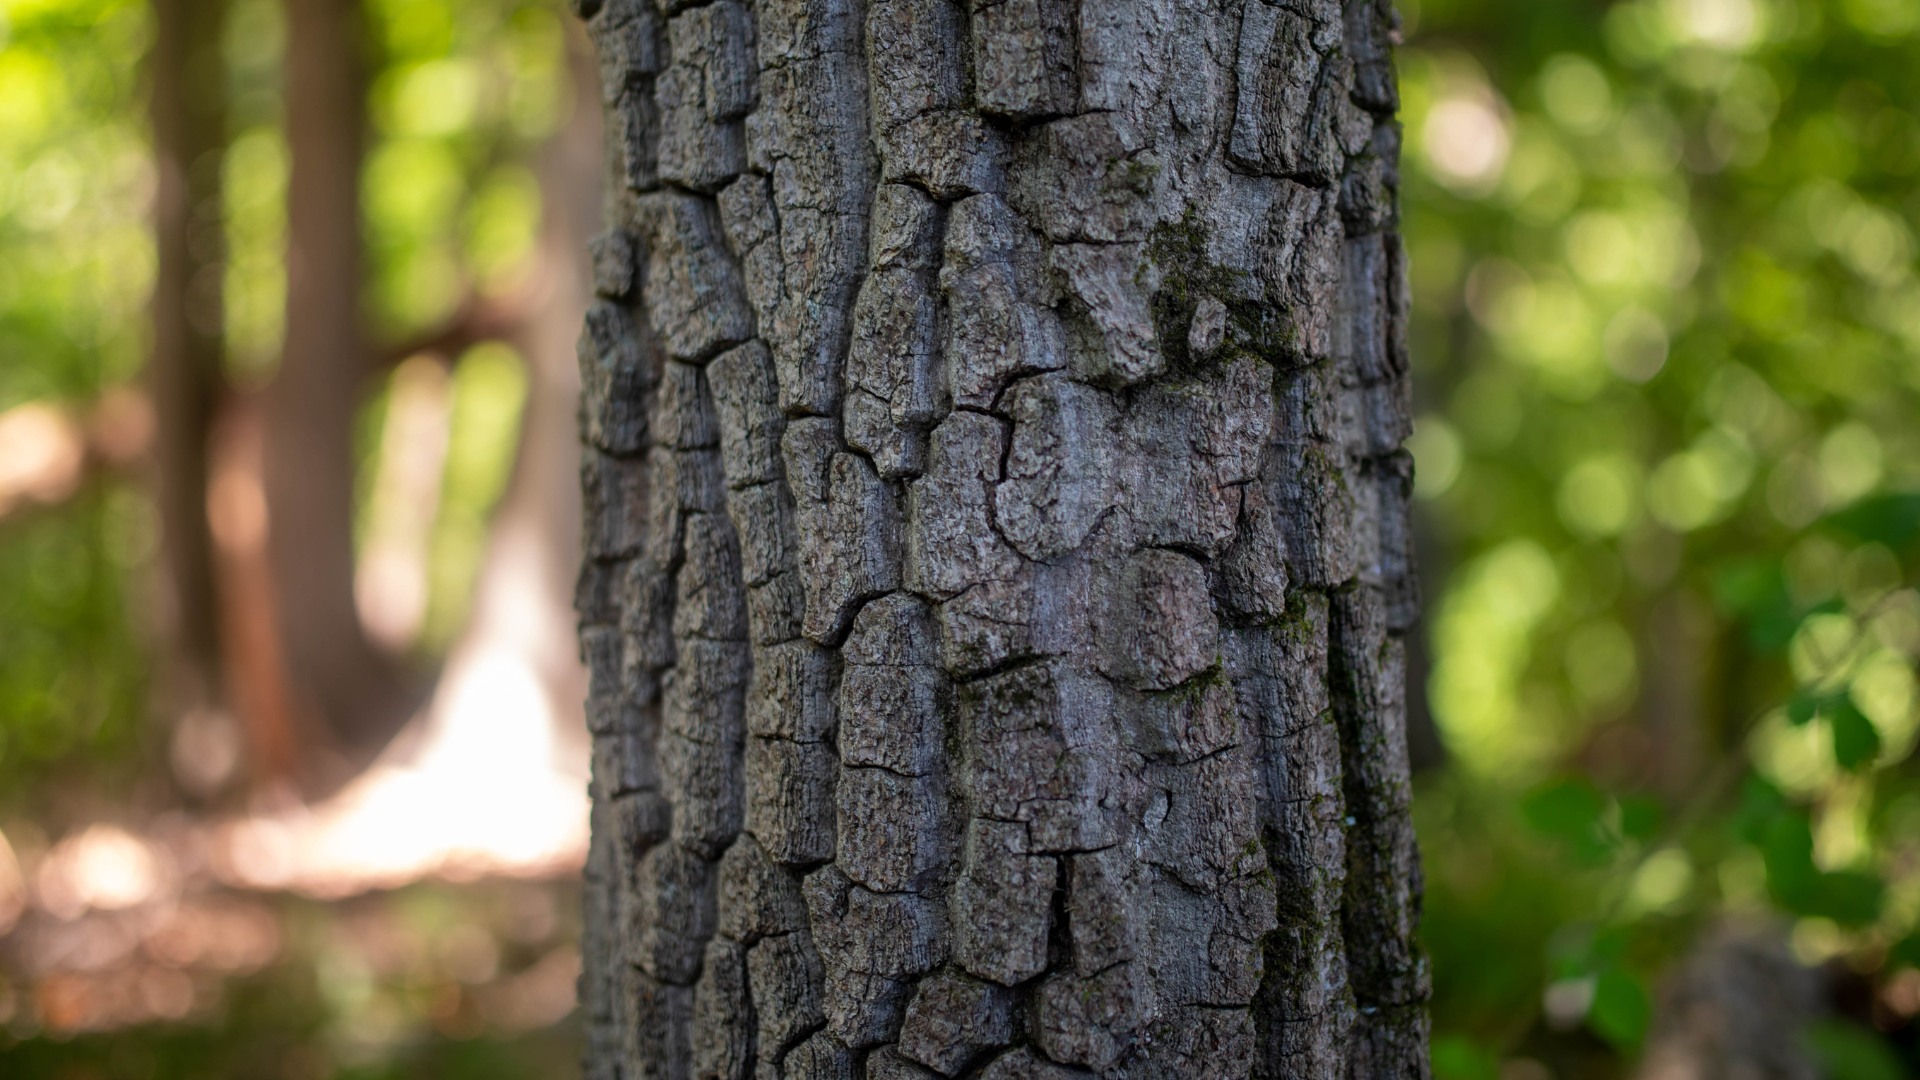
(997,563)
(186,372)
(337,678)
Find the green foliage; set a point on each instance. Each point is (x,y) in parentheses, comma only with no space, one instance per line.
(1457,1058)
(73,177)
(75,266)
(1850,1052)
(72,681)
(1620,1008)
(1663,265)
(464,94)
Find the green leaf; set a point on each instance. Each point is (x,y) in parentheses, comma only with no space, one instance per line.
(1579,949)
(1742,586)
(1620,1009)
(1848,897)
(1755,591)
(1893,520)
(1802,709)
(1855,742)
(1760,803)
(1457,1057)
(1640,816)
(1570,812)
(1609,945)
(1905,952)
(1565,808)
(1786,845)
(1851,1052)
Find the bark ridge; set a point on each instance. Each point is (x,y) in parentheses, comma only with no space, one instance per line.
(997,566)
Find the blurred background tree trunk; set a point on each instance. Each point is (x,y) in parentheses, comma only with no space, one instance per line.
(998,563)
(282,671)
(186,374)
(338,680)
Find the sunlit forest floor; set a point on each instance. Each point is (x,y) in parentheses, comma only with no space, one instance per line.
(421,923)
(472,981)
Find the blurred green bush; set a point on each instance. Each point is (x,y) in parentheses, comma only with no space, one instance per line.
(1668,324)
(75,264)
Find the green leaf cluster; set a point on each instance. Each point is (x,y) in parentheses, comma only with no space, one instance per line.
(1665,289)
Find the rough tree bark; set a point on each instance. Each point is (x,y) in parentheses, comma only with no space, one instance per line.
(997,560)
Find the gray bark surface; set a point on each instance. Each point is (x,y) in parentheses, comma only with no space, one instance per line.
(997,563)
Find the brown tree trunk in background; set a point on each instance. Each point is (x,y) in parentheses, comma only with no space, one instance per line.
(1677,658)
(336,675)
(998,571)
(186,370)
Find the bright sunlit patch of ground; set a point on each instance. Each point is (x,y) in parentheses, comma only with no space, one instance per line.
(488,790)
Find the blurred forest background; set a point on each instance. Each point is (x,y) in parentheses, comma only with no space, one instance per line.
(318,263)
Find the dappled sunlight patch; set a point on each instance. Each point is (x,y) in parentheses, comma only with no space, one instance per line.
(1576,93)
(41,454)
(1722,24)
(1700,485)
(1459,126)
(1851,463)
(491,790)
(390,571)
(1481,646)
(103,868)
(13,887)
(1660,884)
(1466,140)
(1796,757)
(1601,666)
(1600,497)
(1436,456)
